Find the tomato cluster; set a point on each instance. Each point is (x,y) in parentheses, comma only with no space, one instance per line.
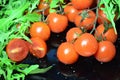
(92,34)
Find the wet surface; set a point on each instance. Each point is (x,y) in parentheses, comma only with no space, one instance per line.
(83,69)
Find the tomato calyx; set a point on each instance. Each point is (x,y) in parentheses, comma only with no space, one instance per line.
(107,26)
(100,38)
(84,14)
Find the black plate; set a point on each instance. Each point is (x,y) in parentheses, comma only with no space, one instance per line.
(83,69)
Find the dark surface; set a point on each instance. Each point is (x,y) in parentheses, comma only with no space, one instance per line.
(83,69)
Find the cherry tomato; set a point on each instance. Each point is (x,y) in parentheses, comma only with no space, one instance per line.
(70,12)
(57,22)
(17,50)
(73,33)
(66,53)
(82,4)
(108,35)
(41,30)
(85,19)
(43,5)
(106,51)
(86,45)
(38,47)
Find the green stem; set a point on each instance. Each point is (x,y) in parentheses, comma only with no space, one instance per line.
(95,22)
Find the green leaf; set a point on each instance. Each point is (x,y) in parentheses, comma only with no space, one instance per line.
(15,14)
(32,17)
(2,72)
(54,4)
(43,70)
(18,76)
(110,11)
(12,14)
(33,6)
(27,70)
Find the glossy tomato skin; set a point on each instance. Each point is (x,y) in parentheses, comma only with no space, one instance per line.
(73,33)
(17,50)
(106,51)
(82,4)
(86,45)
(41,30)
(70,12)
(38,47)
(66,53)
(85,19)
(57,22)
(108,35)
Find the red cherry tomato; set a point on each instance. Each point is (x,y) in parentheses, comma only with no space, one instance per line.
(66,53)
(106,51)
(57,22)
(38,47)
(41,30)
(73,34)
(85,19)
(82,4)
(43,5)
(17,50)
(86,45)
(108,35)
(70,12)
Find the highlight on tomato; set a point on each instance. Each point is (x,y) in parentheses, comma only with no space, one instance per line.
(41,30)
(66,53)
(57,22)
(17,49)
(106,51)
(86,45)
(38,47)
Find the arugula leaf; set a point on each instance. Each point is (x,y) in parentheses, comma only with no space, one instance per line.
(17,76)
(32,17)
(12,13)
(110,10)
(33,5)
(53,5)
(117,3)
(56,4)
(43,70)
